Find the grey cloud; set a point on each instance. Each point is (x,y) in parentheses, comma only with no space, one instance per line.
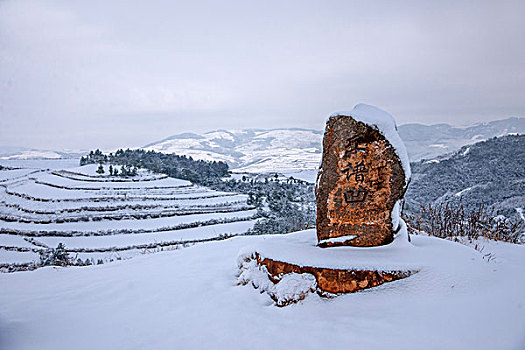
(123,73)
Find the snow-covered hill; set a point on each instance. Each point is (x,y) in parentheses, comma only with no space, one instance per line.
(23,153)
(292,150)
(489,173)
(250,150)
(108,218)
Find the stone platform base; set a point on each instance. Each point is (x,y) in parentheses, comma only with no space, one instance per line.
(332,281)
(289,267)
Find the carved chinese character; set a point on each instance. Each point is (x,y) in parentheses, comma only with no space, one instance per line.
(355,195)
(357,171)
(353,147)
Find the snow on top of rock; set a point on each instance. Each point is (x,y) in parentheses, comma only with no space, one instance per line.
(386,125)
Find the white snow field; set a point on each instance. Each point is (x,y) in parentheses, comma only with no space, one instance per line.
(101,217)
(189,299)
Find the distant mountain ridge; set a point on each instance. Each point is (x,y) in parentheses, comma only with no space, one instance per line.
(259,150)
(251,150)
(430,141)
(23,153)
(295,149)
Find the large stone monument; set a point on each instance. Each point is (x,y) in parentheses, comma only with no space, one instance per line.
(359,183)
(363,177)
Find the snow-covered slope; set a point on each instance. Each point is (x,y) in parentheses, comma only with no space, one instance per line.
(489,172)
(34,155)
(23,153)
(289,150)
(250,150)
(100,217)
(188,299)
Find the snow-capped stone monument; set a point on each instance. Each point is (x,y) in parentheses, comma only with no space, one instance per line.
(362,177)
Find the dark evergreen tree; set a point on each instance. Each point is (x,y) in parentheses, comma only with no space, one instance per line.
(57,256)
(100,169)
(123,171)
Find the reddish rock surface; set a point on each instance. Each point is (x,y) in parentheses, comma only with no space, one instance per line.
(360,180)
(333,281)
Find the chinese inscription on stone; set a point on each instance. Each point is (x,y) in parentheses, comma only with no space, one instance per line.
(360,180)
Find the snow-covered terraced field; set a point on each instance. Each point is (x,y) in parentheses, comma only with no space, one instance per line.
(116,203)
(127,241)
(103,218)
(9,175)
(112,226)
(40,191)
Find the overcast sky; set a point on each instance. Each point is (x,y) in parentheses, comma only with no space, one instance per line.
(86,74)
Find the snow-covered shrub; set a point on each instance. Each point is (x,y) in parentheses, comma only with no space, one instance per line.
(291,288)
(55,256)
(450,221)
(251,272)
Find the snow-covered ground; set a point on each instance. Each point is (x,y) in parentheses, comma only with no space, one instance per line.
(188,299)
(96,215)
(6,175)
